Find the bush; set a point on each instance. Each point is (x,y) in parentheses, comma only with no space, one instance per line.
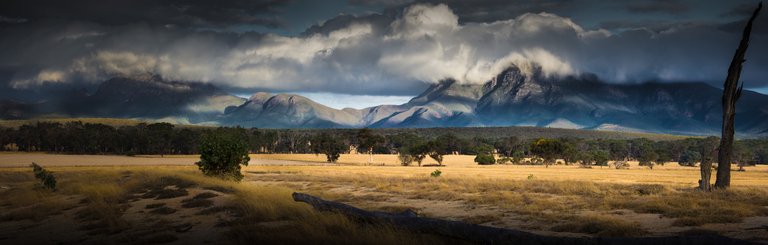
(46,177)
(621,165)
(222,153)
(436,173)
(405,159)
(505,160)
(518,157)
(485,159)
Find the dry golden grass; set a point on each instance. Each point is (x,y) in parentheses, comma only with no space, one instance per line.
(555,199)
(99,196)
(671,174)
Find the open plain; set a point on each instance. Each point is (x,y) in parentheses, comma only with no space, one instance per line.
(128,198)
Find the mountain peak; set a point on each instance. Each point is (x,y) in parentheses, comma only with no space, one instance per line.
(260,97)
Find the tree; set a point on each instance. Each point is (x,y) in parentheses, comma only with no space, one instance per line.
(418,152)
(160,137)
(548,149)
(731,94)
(436,150)
(707,149)
(508,146)
(367,140)
(221,154)
(646,156)
(329,145)
(689,158)
(600,157)
(585,159)
(742,156)
(570,153)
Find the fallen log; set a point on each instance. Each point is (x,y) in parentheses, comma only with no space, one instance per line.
(409,221)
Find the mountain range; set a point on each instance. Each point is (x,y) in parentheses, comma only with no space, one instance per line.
(518,96)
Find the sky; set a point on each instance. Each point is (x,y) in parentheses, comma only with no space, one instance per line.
(359,53)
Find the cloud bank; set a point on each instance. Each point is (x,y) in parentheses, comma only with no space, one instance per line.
(377,54)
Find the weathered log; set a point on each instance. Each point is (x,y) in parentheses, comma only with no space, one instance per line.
(731,94)
(409,221)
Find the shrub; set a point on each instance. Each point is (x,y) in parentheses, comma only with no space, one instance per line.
(46,177)
(405,159)
(436,173)
(518,157)
(485,159)
(222,153)
(505,160)
(621,165)
(648,164)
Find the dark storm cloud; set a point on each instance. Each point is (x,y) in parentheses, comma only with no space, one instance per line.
(493,10)
(184,13)
(392,52)
(740,10)
(658,6)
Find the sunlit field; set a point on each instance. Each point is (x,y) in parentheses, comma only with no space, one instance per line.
(166,199)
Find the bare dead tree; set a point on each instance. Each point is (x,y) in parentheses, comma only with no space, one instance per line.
(473,233)
(731,93)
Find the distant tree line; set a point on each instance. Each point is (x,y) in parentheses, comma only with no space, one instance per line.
(165,138)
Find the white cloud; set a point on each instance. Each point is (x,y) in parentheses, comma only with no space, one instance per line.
(45,76)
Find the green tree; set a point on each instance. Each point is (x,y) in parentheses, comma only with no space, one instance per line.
(436,150)
(329,145)
(646,155)
(418,152)
(600,157)
(689,158)
(547,149)
(221,154)
(366,141)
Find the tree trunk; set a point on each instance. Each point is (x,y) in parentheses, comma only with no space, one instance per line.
(706,175)
(731,93)
(480,234)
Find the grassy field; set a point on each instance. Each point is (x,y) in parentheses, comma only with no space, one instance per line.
(99,200)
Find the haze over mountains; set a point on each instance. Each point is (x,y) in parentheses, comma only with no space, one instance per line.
(519,96)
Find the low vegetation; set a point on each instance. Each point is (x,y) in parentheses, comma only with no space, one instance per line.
(221,154)
(45,177)
(583,149)
(101,199)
